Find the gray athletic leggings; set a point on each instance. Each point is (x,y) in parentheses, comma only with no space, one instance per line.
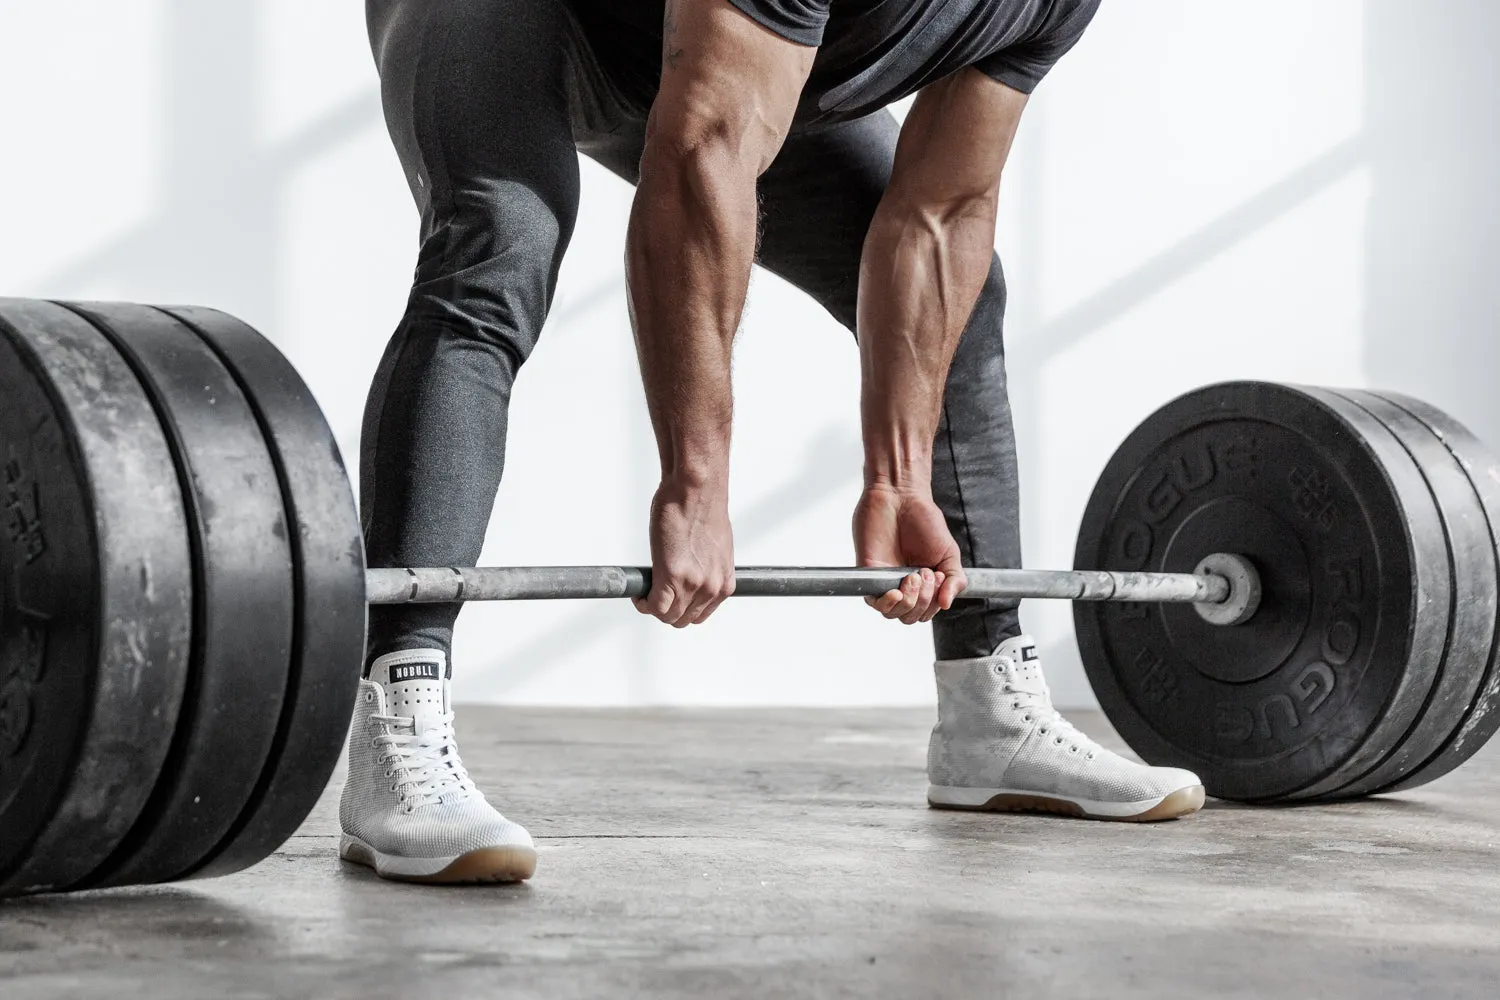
(489,103)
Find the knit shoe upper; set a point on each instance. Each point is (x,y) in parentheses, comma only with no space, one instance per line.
(409,808)
(999,744)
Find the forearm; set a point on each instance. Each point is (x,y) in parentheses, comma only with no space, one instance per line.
(689,249)
(922,270)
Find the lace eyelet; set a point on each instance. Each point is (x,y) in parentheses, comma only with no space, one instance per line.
(393,788)
(390,774)
(1088,756)
(369,697)
(1043,730)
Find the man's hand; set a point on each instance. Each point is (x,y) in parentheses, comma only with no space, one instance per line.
(692,555)
(898,527)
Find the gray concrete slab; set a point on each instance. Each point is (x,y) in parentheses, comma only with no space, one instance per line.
(789,853)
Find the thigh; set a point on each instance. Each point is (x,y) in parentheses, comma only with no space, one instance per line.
(475,94)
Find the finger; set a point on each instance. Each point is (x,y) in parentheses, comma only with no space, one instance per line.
(939,581)
(725,592)
(657,602)
(952,587)
(703,605)
(705,612)
(923,601)
(888,602)
(686,594)
(911,592)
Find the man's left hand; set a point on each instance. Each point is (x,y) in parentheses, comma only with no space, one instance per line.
(899,527)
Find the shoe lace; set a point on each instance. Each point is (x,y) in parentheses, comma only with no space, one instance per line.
(1033,696)
(425,766)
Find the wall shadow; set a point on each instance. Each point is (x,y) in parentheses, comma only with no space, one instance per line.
(215,234)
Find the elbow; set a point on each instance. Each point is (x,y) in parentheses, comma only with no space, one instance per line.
(938,216)
(699,165)
(695,140)
(952,208)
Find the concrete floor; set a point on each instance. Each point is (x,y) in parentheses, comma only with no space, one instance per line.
(789,854)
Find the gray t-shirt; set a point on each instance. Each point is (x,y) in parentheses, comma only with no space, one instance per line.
(871,52)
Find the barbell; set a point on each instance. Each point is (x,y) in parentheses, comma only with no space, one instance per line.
(1290,590)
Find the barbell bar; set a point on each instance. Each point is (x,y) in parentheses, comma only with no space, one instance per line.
(523,583)
(178,539)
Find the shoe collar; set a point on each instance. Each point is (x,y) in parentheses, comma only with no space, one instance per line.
(414,683)
(1016,657)
(1020,650)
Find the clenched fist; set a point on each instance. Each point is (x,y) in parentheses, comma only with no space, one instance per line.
(692,555)
(898,527)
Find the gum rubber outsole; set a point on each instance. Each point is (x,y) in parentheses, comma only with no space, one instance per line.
(1183,802)
(485,866)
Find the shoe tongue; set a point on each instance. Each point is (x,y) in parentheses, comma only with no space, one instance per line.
(416,685)
(1026,666)
(1022,652)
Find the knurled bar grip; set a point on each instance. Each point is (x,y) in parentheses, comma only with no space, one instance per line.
(530,583)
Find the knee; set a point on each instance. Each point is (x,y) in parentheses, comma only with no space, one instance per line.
(488,270)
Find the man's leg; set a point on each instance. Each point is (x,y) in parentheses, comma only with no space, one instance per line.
(998,744)
(475,100)
(818,198)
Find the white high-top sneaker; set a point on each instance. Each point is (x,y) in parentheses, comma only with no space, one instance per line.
(999,745)
(409,809)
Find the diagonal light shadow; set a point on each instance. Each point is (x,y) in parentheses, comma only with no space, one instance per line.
(1171,265)
(268,172)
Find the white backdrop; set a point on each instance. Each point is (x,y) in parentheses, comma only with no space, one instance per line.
(1274,189)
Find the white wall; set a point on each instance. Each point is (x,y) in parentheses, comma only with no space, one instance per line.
(1201,191)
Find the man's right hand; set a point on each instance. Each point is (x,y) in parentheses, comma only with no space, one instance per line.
(900,527)
(692,555)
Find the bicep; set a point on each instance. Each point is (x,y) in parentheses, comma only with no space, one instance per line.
(955,141)
(726,76)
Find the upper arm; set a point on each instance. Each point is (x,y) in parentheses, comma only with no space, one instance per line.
(955,141)
(725,77)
